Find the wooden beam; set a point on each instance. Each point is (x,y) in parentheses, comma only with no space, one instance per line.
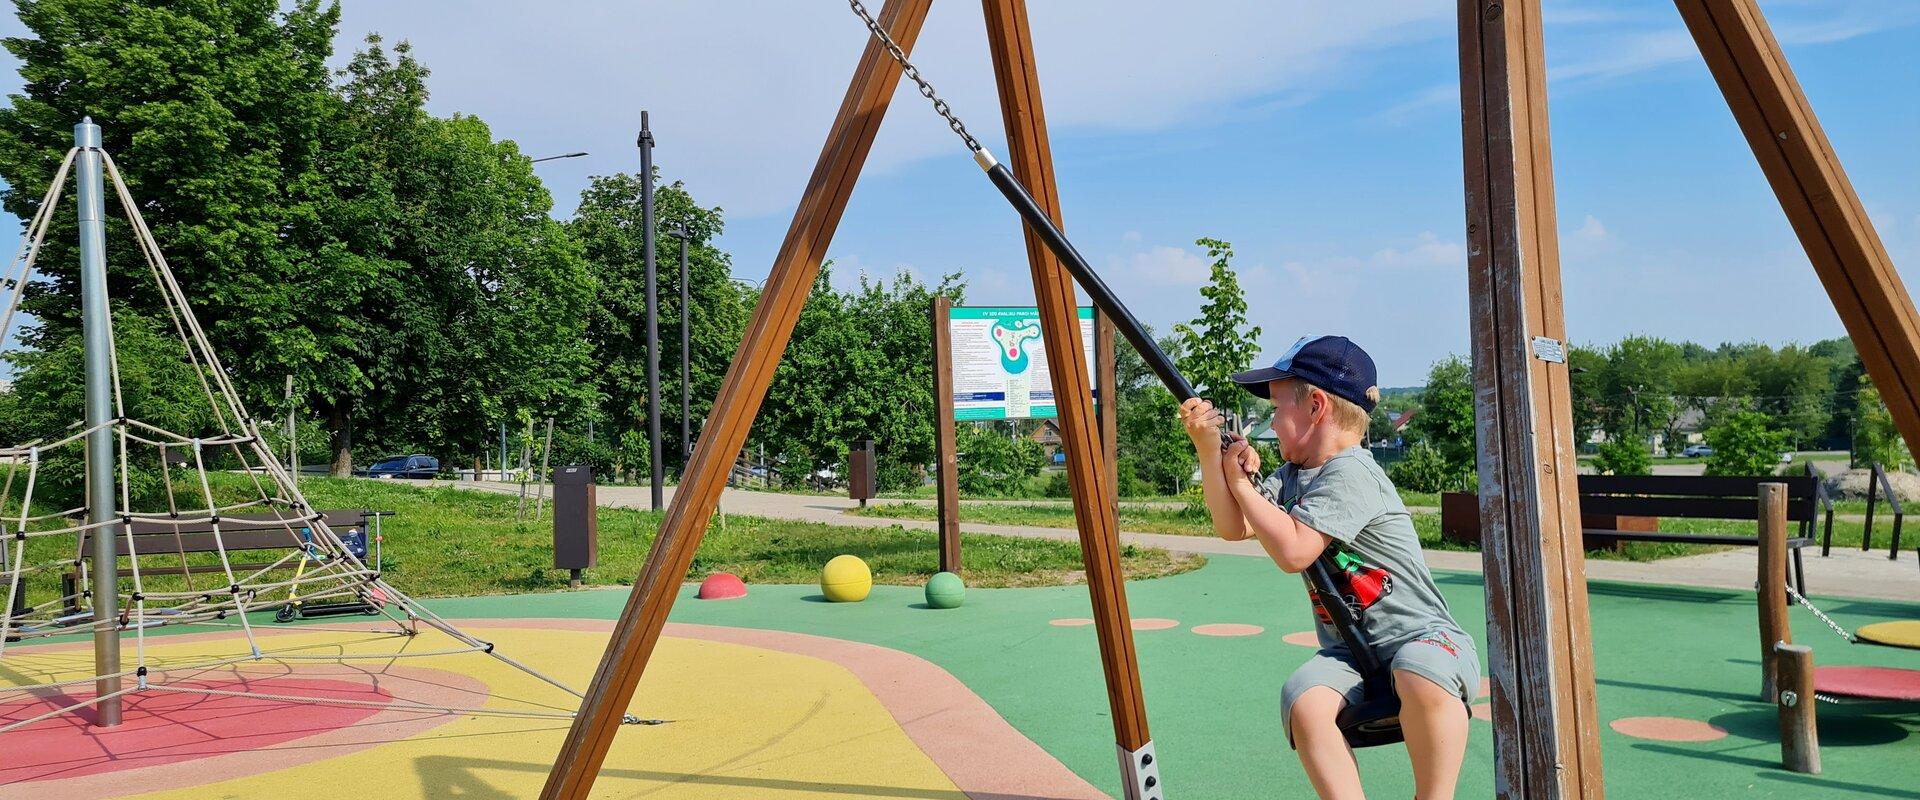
(946,461)
(1771,586)
(1819,201)
(1799,735)
(1031,160)
(745,387)
(1546,733)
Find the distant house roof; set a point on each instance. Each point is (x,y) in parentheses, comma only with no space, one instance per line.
(1405,417)
(1261,430)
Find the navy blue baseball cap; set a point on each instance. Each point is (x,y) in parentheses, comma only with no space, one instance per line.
(1333,363)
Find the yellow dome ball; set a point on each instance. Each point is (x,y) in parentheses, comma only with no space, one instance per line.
(846,579)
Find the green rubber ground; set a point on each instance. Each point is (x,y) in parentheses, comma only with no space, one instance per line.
(1213,702)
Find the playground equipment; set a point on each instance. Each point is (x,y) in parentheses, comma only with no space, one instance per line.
(1545,721)
(945,590)
(121,526)
(1789,678)
(846,579)
(722,586)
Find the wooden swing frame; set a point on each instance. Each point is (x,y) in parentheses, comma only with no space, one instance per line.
(1545,722)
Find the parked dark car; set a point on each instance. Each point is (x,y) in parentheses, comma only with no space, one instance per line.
(417,467)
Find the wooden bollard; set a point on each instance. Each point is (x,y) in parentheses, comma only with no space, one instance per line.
(1799,738)
(1772,586)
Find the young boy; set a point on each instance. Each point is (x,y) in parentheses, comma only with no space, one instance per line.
(1334,497)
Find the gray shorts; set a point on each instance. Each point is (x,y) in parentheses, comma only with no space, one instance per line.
(1445,657)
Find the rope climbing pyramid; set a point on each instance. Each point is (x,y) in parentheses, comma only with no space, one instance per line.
(134,518)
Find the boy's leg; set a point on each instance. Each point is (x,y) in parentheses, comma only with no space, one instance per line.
(1434,675)
(1435,723)
(1311,702)
(1323,751)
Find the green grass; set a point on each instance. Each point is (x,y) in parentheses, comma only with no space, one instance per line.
(453,541)
(1048,515)
(1427,525)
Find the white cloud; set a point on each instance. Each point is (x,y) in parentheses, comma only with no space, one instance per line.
(742,93)
(1161,264)
(1428,250)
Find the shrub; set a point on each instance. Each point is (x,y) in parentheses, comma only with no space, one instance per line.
(1624,455)
(1424,469)
(1745,443)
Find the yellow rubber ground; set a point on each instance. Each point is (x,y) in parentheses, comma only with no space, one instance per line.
(744,722)
(1899,633)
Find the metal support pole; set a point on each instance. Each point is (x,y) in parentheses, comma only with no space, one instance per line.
(98,333)
(653,316)
(686,351)
(293,448)
(503,449)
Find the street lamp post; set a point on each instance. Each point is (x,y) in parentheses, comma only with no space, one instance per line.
(562,155)
(653,316)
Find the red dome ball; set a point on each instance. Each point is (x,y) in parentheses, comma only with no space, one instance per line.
(722,586)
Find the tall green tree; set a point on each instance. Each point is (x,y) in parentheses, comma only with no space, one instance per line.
(859,366)
(215,114)
(1745,443)
(608,226)
(1219,342)
(1153,453)
(1876,440)
(1445,420)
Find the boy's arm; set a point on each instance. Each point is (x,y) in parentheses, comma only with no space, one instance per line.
(1203,427)
(1289,542)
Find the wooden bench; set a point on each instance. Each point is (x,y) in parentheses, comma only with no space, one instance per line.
(154,539)
(1627,508)
(1699,497)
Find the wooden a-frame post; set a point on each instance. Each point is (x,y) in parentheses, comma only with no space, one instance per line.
(768,332)
(1546,732)
(1545,724)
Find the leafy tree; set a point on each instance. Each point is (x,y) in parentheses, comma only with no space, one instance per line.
(1622,456)
(608,226)
(1875,438)
(1219,342)
(859,366)
(1424,469)
(1745,443)
(217,115)
(1154,455)
(993,462)
(1637,389)
(1795,388)
(1445,420)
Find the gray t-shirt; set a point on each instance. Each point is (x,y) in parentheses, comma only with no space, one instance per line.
(1382,575)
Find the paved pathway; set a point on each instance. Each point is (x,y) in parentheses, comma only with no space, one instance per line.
(1848,572)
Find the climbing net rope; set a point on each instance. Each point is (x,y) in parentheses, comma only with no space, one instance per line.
(165,495)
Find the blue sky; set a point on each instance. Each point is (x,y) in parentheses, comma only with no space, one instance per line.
(1321,139)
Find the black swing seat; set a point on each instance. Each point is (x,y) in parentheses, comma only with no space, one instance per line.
(1374,721)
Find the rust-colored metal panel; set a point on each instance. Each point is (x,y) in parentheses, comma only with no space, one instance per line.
(1546,727)
(947,466)
(1032,162)
(874,79)
(1819,200)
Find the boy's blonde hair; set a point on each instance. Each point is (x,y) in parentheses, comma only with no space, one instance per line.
(1348,416)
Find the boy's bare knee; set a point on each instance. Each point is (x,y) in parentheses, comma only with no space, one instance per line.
(1315,712)
(1415,689)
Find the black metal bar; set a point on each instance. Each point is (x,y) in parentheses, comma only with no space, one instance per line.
(1893,501)
(1873,485)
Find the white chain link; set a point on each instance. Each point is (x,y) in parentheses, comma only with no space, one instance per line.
(1817,613)
(906,67)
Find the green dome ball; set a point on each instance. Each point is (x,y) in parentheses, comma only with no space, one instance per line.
(945,590)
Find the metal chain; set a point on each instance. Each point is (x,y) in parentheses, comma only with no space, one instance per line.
(906,67)
(1817,613)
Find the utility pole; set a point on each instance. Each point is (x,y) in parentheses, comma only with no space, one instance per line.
(98,337)
(653,317)
(293,448)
